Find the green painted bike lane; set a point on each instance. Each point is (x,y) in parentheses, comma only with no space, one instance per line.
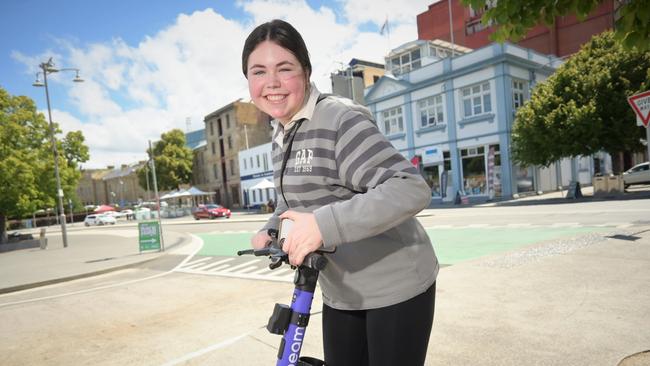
(452,245)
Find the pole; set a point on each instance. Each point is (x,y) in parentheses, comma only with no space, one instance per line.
(71,213)
(351,82)
(146,174)
(155,192)
(451,29)
(59,191)
(647,139)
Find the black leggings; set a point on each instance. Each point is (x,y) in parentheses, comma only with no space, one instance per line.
(393,335)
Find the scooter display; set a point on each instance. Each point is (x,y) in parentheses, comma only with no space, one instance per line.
(291,321)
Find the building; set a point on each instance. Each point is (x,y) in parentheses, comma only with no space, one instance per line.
(111,186)
(228,130)
(121,186)
(91,189)
(196,141)
(454,116)
(563,38)
(255,166)
(353,80)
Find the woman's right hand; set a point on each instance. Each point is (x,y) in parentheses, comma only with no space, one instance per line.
(260,240)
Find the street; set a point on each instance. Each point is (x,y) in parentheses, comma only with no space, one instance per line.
(201,305)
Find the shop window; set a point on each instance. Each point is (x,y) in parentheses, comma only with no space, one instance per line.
(524,179)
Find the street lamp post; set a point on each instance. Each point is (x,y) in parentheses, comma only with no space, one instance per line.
(48,68)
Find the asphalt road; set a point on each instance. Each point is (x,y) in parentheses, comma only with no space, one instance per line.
(163,313)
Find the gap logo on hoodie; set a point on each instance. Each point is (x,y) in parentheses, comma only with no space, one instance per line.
(302,161)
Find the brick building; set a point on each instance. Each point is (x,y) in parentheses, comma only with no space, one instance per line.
(563,38)
(234,127)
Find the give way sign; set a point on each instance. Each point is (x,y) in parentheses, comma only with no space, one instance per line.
(641,105)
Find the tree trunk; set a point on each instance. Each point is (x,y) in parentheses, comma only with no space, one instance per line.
(3,229)
(617,163)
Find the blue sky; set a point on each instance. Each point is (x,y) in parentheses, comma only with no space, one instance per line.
(151,65)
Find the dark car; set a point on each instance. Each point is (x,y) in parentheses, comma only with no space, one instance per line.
(211,211)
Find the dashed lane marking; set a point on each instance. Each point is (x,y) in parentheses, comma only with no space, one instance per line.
(248,268)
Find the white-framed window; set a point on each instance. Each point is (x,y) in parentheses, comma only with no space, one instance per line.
(258,160)
(393,121)
(431,111)
(266,162)
(406,62)
(518,93)
(476,99)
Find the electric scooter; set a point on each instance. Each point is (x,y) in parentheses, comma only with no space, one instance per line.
(291,321)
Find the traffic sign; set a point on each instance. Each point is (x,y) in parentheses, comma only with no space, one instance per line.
(641,105)
(149,237)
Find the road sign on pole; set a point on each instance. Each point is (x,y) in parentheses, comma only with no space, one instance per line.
(641,105)
(149,235)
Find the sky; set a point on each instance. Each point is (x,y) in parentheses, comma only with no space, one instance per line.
(151,66)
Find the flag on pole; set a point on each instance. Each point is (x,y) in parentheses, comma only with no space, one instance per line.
(384,28)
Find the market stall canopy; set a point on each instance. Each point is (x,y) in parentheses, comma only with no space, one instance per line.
(264,184)
(175,194)
(104,208)
(197,192)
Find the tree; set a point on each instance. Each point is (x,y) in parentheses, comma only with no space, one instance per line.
(27,180)
(173,161)
(582,108)
(515,17)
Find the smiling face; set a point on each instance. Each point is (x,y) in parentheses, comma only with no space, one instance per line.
(276,81)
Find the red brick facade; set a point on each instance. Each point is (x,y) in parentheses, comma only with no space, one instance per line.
(561,39)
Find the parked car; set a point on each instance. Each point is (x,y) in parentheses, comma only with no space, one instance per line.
(638,174)
(211,211)
(99,220)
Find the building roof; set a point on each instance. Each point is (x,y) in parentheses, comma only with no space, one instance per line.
(356,61)
(123,171)
(221,110)
(193,139)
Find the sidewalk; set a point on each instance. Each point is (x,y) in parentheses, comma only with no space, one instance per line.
(88,254)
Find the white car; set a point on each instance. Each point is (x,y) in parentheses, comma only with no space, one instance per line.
(638,174)
(99,220)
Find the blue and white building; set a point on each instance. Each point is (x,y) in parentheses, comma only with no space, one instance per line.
(456,113)
(255,166)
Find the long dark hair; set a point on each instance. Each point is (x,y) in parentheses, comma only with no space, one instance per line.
(284,35)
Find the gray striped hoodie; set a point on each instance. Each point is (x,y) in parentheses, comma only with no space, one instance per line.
(364,195)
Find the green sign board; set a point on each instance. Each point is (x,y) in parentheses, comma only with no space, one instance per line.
(149,234)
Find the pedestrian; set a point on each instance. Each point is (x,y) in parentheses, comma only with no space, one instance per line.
(271,205)
(346,188)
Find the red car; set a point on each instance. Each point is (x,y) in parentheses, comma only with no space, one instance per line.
(211,211)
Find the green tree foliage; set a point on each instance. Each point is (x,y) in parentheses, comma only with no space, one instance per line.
(27,180)
(514,18)
(173,161)
(582,108)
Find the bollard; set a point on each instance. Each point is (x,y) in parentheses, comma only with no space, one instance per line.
(42,239)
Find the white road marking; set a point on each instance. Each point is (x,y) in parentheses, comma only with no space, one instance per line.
(214,264)
(241,265)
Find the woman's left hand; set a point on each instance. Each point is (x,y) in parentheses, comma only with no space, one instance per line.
(304,238)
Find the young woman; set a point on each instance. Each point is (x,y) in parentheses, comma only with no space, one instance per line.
(345,187)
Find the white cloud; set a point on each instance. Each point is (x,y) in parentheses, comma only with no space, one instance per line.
(135,92)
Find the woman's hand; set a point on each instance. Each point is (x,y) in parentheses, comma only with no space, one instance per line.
(260,240)
(304,237)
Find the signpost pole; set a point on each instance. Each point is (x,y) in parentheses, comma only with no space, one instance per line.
(155,188)
(640,103)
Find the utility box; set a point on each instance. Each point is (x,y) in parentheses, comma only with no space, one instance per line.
(599,184)
(615,184)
